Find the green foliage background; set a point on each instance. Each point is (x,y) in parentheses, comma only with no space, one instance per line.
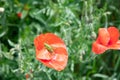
(75,21)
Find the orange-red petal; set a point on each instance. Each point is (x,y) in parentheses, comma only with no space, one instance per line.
(43,54)
(59,58)
(103,36)
(115,46)
(46,62)
(58,62)
(114,35)
(98,48)
(52,39)
(39,42)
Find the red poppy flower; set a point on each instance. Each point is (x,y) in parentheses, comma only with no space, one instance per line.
(51,51)
(19,14)
(27,76)
(107,39)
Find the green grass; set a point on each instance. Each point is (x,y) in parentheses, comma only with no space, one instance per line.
(75,21)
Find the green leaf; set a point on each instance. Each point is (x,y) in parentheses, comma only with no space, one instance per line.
(103,76)
(11,43)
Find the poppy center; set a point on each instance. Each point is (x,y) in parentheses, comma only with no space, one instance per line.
(48,47)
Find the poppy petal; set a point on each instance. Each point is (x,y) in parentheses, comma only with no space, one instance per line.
(43,54)
(59,59)
(59,49)
(114,35)
(118,42)
(58,62)
(46,62)
(115,46)
(52,39)
(58,45)
(39,42)
(98,48)
(103,36)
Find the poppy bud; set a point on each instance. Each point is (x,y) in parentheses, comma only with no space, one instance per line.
(93,35)
(1,9)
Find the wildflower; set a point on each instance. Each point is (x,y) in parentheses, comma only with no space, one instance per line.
(107,39)
(51,51)
(19,14)
(27,76)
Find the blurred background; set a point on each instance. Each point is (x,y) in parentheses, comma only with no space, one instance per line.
(75,21)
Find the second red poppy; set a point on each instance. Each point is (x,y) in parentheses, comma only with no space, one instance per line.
(108,38)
